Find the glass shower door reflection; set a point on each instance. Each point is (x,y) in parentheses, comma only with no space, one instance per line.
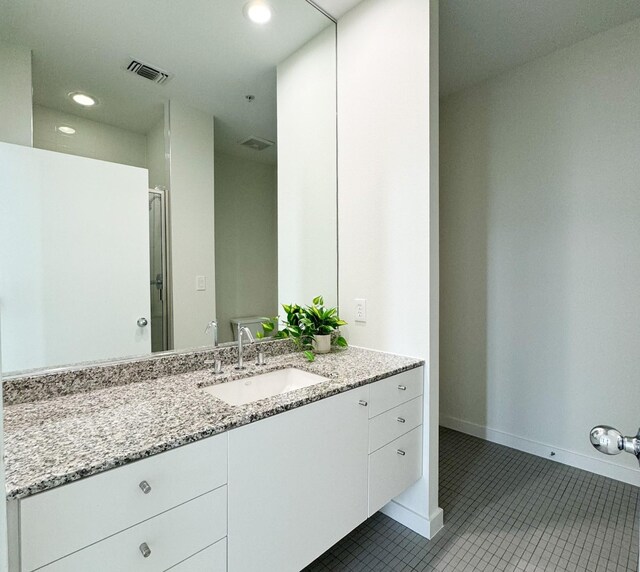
(158,270)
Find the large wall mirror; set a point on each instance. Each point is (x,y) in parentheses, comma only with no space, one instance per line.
(163,163)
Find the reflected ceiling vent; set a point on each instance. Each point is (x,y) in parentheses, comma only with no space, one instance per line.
(148,72)
(256,143)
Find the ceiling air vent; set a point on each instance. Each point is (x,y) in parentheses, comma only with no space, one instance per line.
(148,72)
(256,143)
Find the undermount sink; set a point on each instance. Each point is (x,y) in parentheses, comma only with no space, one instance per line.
(256,387)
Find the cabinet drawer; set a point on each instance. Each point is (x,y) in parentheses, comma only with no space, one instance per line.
(212,559)
(65,519)
(391,472)
(391,424)
(391,392)
(171,537)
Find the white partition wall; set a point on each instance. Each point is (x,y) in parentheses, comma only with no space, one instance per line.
(74,267)
(307,242)
(192,222)
(388,206)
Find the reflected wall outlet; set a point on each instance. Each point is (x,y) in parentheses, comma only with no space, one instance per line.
(361,310)
(201,283)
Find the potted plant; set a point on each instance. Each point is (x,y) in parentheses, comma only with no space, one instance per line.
(314,329)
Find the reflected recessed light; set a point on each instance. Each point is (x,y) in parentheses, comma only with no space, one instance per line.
(258,11)
(66,129)
(83,99)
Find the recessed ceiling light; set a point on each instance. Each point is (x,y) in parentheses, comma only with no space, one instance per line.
(83,99)
(258,11)
(66,129)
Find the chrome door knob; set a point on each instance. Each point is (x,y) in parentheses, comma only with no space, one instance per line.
(145,487)
(610,441)
(142,322)
(145,550)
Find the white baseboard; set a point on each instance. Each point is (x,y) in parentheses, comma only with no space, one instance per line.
(578,460)
(427,527)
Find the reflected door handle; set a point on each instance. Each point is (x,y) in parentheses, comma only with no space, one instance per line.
(142,322)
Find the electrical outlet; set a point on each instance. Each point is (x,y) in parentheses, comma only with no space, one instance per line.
(361,310)
(201,283)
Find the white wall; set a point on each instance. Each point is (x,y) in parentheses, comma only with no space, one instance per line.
(191,201)
(15,95)
(76,277)
(246,240)
(540,217)
(91,139)
(385,216)
(307,241)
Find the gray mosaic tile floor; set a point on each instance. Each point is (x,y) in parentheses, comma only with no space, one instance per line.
(504,510)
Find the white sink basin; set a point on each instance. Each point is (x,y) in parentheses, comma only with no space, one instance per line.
(254,388)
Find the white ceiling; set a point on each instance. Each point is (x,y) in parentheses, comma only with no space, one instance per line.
(482,38)
(215,54)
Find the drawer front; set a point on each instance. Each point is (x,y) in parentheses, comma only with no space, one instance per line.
(393,423)
(212,559)
(65,519)
(390,472)
(391,392)
(171,537)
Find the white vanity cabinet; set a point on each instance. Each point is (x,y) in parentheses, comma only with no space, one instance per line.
(270,496)
(174,503)
(297,483)
(395,436)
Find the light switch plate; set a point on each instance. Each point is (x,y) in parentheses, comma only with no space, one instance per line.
(361,310)
(201,283)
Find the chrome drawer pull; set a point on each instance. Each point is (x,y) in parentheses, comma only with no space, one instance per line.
(401,452)
(363,403)
(401,419)
(145,487)
(402,387)
(146,551)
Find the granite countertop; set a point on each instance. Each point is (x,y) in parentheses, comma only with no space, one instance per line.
(55,441)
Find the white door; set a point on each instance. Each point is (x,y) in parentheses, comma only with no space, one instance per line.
(74,258)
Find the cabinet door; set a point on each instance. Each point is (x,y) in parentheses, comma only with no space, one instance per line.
(297,483)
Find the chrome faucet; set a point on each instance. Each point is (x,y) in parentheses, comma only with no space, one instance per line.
(217,364)
(243,330)
(213,326)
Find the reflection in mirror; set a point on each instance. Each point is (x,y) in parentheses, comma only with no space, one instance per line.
(162,165)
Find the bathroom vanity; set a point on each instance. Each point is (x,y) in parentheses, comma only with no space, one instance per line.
(265,486)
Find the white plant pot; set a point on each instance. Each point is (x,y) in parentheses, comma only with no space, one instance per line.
(322,344)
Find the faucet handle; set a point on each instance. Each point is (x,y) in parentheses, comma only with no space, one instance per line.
(260,359)
(217,365)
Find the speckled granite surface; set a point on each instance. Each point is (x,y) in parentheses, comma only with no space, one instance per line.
(58,440)
(47,384)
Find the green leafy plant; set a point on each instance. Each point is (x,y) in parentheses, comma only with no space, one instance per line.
(303,323)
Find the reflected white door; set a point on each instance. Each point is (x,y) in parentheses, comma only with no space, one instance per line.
(74,258)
